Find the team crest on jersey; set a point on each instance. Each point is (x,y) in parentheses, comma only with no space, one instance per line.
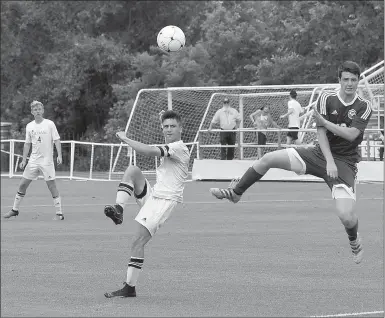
(352,113)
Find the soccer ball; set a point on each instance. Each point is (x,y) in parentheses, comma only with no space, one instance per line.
(171,39)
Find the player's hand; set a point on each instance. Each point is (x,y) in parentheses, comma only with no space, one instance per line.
(22,164)
(282,116)
(121,135)
(331,169)
(59,160)
(318,118)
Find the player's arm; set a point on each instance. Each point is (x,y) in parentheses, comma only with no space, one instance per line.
(253,117)
(321,116)
(26,149)
(289,112)
(348,133)
(273,123)
(215,120)
(151,151)
(59,153)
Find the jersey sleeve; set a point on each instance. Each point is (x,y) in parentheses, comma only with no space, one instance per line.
(322,106)
(28,138)
(173,150)
(55,134)
(360,121)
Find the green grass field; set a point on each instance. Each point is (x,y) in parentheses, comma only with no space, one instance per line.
(281,251)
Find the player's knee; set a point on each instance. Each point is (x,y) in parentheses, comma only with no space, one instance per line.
(24,183)
(132,173)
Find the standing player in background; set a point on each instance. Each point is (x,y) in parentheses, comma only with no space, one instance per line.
(341,117)
(294,110)
(155,204)
(42,134)
(262,119)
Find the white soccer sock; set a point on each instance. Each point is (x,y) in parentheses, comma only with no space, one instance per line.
(18,198)
(133,270)
(125,190)
(57,204)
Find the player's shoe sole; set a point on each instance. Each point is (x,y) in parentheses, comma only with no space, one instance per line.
(126,291)
(113,213)
(11,214)
(357,249)
(228,194)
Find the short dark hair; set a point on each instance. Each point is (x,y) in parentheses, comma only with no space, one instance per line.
(349,66)
(170,114)
(293,93)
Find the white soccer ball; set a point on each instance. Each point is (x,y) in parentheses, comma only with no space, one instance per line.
(171,39)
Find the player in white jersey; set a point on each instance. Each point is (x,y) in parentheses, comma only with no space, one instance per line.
(294,110)
(41,133)
(156,204)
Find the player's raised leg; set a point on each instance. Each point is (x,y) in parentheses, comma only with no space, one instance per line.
(23,186)
(283,159)
(133,182)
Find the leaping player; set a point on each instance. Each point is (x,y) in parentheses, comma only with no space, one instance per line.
(156,204)
(341,118)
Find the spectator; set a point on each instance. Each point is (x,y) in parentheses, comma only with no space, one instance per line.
(294,110)
(228,118)
(262,119)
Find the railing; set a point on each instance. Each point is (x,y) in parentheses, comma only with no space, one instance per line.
(368,145)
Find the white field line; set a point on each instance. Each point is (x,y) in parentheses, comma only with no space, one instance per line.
(365,313)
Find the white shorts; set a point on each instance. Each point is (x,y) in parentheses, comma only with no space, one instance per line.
(33,170)
(154,211)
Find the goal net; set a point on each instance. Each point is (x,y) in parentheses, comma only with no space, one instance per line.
(197,106)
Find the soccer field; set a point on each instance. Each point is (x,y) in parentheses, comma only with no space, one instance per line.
(281,251)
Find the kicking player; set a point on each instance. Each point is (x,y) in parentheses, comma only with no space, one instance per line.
(156,204)
(341,117)
(42,134)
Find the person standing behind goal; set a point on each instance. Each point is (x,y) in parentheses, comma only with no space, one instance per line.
(42,134)
(228,118)
(294,110)
(156,204)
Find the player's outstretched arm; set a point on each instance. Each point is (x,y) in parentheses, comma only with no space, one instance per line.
(142,148)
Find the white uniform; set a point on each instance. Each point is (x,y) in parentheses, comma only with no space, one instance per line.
(294,117)
(171,175)
(42,137)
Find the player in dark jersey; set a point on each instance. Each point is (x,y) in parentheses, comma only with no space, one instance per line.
(341,117)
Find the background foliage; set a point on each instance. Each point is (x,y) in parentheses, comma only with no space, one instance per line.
(86,60)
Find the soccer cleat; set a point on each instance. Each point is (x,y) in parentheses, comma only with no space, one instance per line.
(228,194)
(357,249)
(126,291)
(11,213)
(112,211)
(60,215)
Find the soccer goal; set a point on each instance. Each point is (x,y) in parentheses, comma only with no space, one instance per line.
(191,102)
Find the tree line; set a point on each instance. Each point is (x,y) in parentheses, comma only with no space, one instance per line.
(86,60)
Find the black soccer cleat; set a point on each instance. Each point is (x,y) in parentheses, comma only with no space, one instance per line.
(11,213)
(115,213)
(126,291)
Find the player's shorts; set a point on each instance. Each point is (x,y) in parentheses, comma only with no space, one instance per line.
(153,211)
(293,134)
(313,162)
(33,170)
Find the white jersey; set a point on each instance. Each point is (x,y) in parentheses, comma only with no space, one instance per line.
(172,173)
(294,117)
(42,137)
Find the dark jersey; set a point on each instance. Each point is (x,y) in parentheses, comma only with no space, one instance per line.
(354,114)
